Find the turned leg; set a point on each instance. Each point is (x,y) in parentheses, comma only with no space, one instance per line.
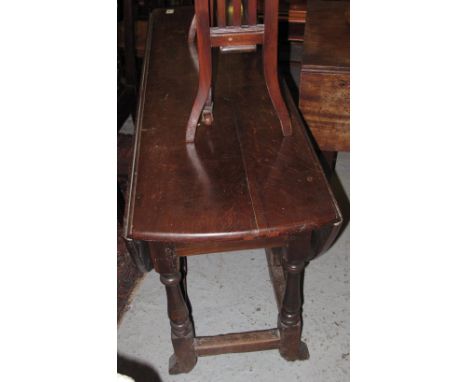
(270,65)
(289,321)
(204,67)
(167,264)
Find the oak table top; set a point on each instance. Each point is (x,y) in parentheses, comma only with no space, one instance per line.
(241,178)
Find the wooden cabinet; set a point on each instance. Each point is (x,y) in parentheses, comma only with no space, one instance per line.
(325,83)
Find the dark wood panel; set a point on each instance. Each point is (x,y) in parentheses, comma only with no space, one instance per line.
(161,204)
(213,246)
(325,85)
(285,178)
(326,40)
(325,105)
(275,268)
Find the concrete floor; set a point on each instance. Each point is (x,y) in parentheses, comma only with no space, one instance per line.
(231,292)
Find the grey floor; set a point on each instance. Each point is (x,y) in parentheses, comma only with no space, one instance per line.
(231,292)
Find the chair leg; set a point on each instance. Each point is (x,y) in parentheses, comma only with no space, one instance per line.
(167,264)
(289,321)
(270,65)
(207,113)
(204,66)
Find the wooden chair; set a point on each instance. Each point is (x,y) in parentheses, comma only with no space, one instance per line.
(242,185)
(212,30)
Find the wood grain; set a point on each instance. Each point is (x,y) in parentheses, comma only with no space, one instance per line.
(325,84)
(246,180)
(237,342)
